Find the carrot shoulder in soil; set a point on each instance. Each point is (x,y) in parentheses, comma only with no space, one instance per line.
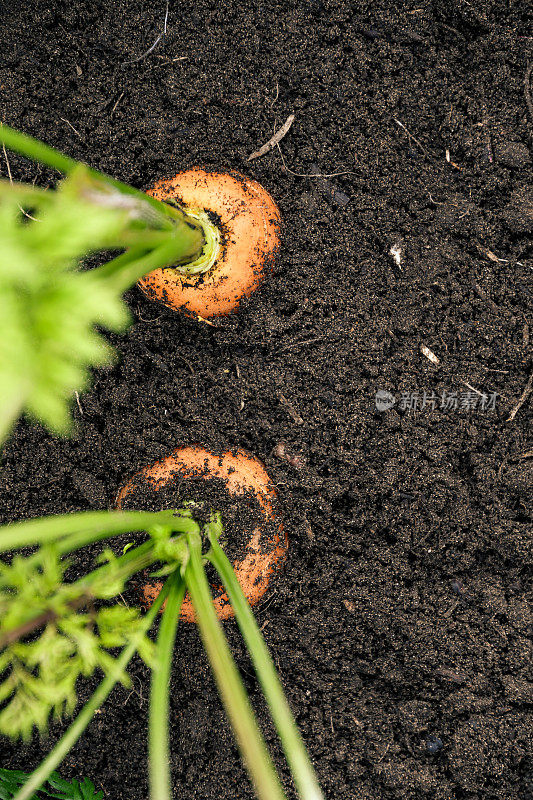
(241,473)
(241,223)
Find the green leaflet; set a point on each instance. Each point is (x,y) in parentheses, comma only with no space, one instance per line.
(48,310)
(38,676)
(11,780)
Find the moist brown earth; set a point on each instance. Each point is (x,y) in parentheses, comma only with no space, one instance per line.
(400,624)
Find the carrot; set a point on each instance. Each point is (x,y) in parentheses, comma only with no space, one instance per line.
(241,472)
(241,223)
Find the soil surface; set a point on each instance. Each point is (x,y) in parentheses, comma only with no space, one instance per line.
(400,623)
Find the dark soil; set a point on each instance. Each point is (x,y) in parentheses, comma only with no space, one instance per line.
(400,624)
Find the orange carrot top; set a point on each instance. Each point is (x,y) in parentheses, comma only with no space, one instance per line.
(241,222)
(241,473)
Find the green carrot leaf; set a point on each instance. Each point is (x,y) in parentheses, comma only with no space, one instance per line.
(11,780)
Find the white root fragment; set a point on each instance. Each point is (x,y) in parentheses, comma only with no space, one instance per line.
(473,389)
(396,254)
(278,136)
(429,354)
(523,397)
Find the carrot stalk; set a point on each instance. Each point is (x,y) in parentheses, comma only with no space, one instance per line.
(185,231)
(158,735)
(75,730)
(83,590)
(293,746)
(36,150)
(230,686)
(86,527)
(172,251)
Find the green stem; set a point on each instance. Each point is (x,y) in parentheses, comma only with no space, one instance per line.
(118,263)
(89,526)
(83,590)
(179,524)
(39,151)
(36,150)
(187,232)
(126,274)
(158,739)
(75,730)
(232,692)
(293,746)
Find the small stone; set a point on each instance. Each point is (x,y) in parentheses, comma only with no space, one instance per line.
(433,745)
(458,586)
(518,214)
(513,155)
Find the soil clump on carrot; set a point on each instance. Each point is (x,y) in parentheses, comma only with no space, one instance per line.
(240,514)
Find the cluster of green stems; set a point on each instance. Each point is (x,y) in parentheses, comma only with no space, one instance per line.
(73,531)
(169,237)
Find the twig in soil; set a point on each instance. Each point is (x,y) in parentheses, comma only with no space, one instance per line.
(71,126)
(382,756)
(450,675)
(451,609)
(181,358)
(116,104)
(198,318)
(274,140)
(527,454)
(411,136)
(523,397)
(429,354)
(473,389)
(269,603)
(139,693)
(300,344)
(311,174)
(76,395)
(11,182)
(154,319)
(489,254)
(527,89)
(277,94)
(329,189)
(150,49)
(453,164)
(480,293)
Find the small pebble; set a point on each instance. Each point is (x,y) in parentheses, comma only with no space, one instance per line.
(295,460)
(433,745)
(518,214)
(513,155)
(458,586)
